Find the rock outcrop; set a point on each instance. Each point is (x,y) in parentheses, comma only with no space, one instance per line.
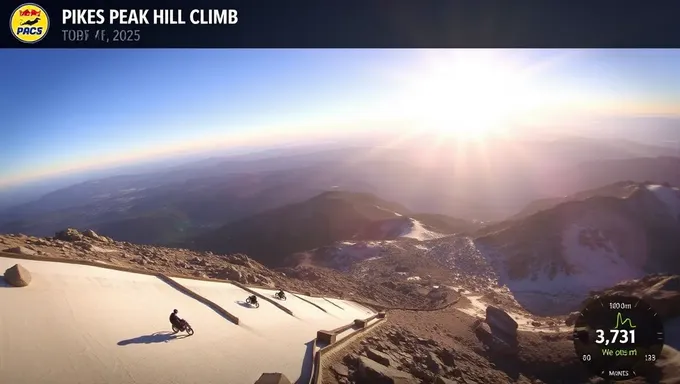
(378,356)
(17,276)
(499,320)
(369,371)
(571,319)
(21,251)
(69,234)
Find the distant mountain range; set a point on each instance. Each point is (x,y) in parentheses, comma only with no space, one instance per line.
(471,184)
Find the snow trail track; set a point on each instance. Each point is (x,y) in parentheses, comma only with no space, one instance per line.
(84,324)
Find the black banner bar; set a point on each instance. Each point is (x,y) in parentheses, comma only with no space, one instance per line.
(348,24)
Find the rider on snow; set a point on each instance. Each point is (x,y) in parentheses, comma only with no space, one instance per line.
(176,320)
(253,299)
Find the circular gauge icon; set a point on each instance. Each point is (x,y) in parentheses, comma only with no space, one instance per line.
(618,337)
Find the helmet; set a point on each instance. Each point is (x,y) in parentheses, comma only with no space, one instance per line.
(174,311)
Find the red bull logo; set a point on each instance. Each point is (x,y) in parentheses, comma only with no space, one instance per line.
(29,12)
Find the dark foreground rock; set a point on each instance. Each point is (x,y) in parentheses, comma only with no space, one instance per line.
(17,276)
(499,320)
(369,371)
(273,378)
(378,357)
(571,319)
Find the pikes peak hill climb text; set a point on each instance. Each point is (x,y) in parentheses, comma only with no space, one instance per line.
(148,17)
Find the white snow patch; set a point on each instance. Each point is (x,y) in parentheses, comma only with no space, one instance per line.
(416,230)
(420,246)
(477,309)
(669,196)
(595,264)
(387,210)
(86,324)
(413,278)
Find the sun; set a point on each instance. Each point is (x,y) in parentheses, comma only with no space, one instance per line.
(469,95)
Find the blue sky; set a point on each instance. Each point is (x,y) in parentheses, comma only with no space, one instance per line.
(74,109)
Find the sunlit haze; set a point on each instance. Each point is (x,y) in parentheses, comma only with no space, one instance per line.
(76,110)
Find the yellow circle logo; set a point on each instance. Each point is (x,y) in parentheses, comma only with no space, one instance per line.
(29,23)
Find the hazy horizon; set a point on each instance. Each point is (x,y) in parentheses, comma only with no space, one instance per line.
(106,109)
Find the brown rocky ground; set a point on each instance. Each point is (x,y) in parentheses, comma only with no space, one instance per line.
(457,347)
(72,244)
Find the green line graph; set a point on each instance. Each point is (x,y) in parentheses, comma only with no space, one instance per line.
(620,320)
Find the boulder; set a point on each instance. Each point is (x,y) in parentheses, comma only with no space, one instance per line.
(21,251)
(273,378)
(378,357)
(230,273)
(198,261)
(433,363)
(447,357)
(370,371)
(69,234)
(238,259)
(17,276)
(499,320)
(340,369)
(571,318)
(91,234)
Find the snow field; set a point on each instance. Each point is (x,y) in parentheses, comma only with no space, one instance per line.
(83,324)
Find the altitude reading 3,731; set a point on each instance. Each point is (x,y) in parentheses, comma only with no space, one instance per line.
(618,337)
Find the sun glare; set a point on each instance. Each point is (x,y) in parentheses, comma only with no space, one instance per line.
(470,96)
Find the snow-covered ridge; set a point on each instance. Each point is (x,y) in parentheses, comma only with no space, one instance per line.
(416,230)
(669,197)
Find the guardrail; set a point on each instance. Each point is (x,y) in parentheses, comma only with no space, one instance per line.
(317,369)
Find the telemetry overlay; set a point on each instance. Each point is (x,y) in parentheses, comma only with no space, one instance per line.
(618,337)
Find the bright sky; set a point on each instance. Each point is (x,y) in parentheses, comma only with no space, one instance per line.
(77,109)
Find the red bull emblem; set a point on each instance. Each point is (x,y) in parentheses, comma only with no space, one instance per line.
(29,12)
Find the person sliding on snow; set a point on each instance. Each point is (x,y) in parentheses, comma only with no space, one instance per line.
(280,294)
(253,299)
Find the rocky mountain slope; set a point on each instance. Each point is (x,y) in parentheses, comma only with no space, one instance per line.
(545,263)
(578,246)
(273,236)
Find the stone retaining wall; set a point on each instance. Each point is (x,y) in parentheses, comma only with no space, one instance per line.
(319,356)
